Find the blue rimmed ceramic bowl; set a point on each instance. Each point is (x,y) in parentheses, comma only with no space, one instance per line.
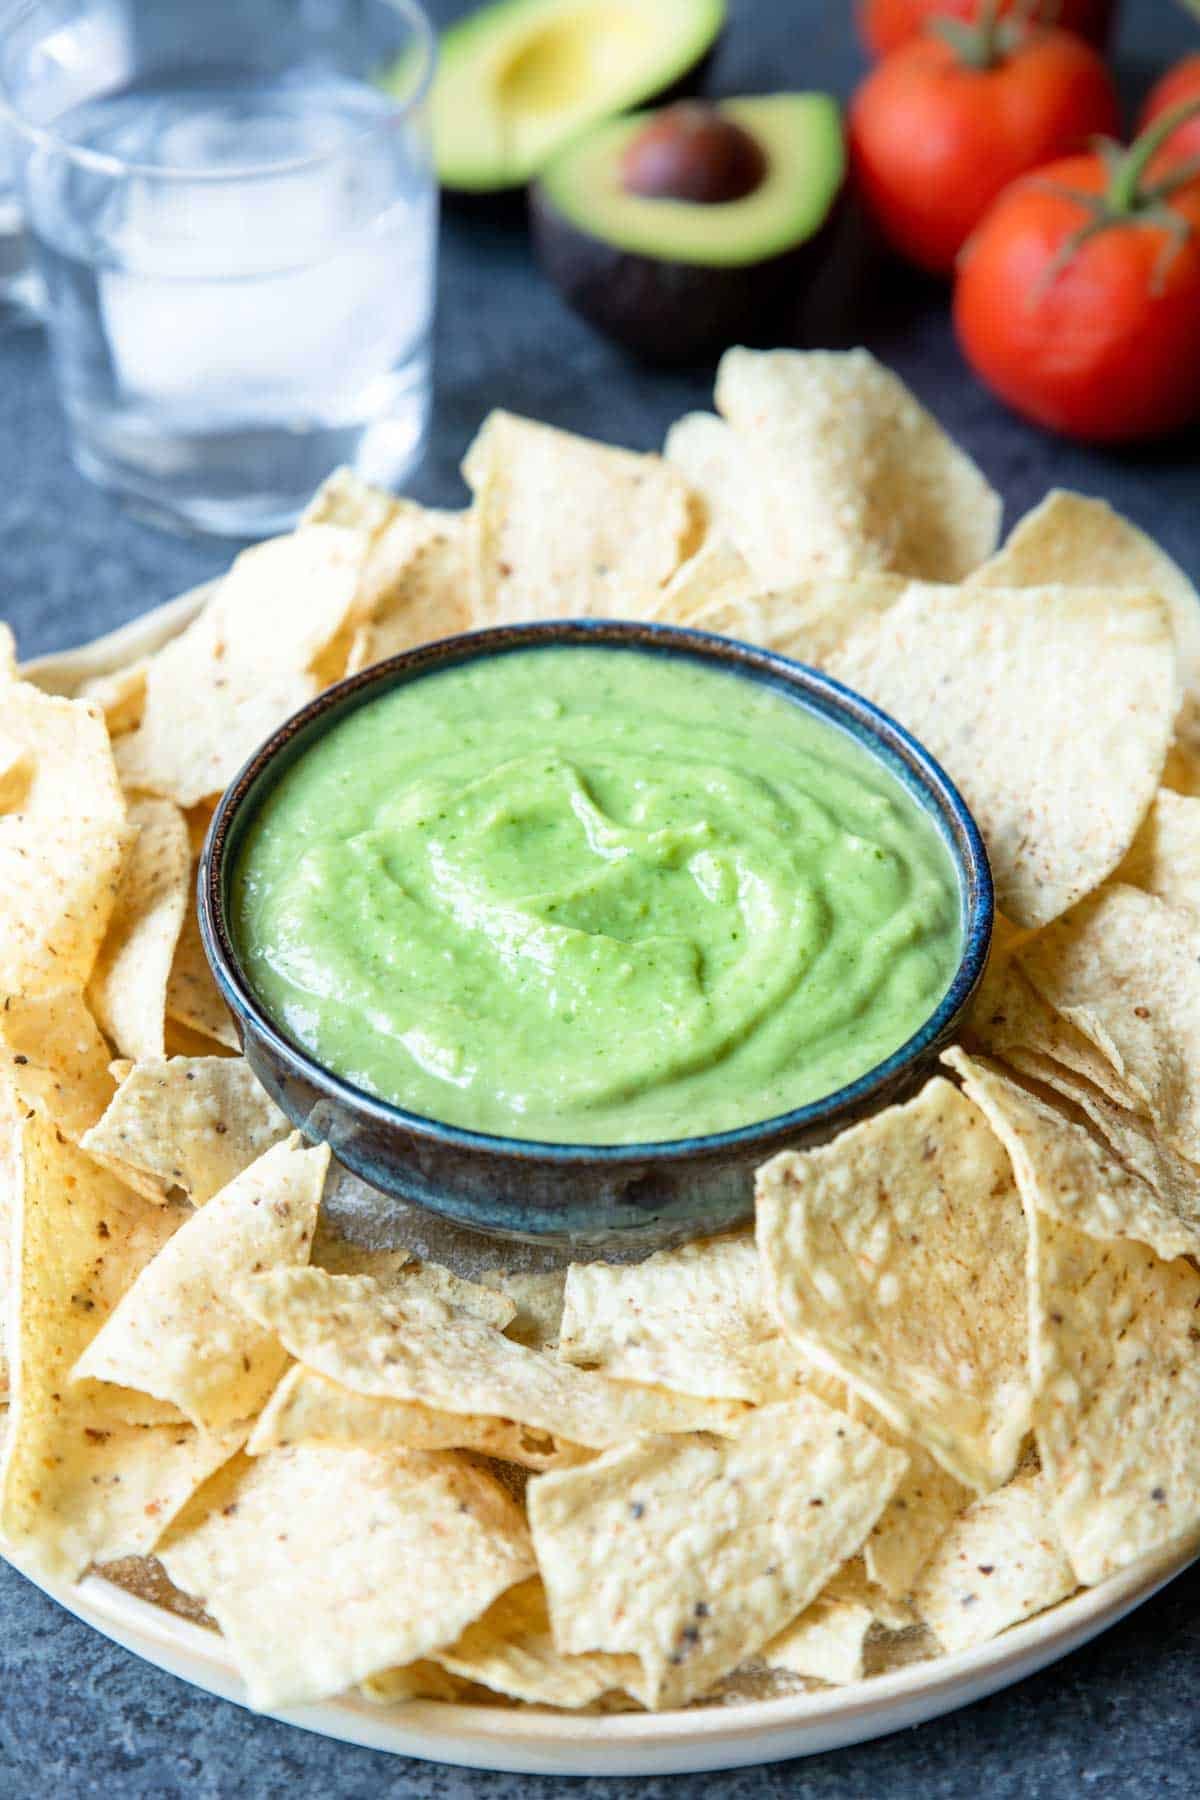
(592,1196)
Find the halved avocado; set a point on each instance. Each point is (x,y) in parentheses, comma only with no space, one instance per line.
(518,78)
(673,277)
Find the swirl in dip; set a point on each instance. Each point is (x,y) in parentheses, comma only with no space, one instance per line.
(602,896)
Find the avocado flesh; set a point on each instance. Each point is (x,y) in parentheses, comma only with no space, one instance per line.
(520,77)
(801,137)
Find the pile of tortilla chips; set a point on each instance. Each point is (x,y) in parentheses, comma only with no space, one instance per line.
(953,1375)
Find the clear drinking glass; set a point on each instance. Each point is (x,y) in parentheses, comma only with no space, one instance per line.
(232,207)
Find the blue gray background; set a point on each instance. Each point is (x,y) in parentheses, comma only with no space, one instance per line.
(80,1717)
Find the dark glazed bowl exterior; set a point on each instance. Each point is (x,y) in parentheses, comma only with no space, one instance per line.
(594,1196)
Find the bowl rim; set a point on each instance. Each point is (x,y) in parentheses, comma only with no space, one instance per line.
(882,736)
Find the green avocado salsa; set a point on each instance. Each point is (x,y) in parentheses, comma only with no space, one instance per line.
(599,896)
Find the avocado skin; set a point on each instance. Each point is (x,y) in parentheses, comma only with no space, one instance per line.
(672,312)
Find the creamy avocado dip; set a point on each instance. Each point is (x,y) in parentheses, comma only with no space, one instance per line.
(594,896)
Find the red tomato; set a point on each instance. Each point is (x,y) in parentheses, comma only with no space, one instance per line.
(884,25)
(1100,341)
(1177,85)
(933,140)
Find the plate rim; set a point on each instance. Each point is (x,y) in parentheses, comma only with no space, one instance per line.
(529,1739)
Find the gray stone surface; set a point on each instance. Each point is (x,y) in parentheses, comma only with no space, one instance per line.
(79,1717)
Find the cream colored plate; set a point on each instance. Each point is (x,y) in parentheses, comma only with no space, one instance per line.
(531,1740)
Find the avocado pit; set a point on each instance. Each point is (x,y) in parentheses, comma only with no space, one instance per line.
(691,152)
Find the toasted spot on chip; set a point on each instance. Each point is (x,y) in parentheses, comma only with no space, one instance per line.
(692,1552)
(189,1122)
(829,465)
(1000,1562)
(1058,737)
(325,1566)
(894,1257)
(1064,1168)
(309,1408)
(80,1484)
(398,1344)
(566,528)
(1113,1350)
(694,1320)
(511,1649)
(177,1334)
(1122,969)
(128,989)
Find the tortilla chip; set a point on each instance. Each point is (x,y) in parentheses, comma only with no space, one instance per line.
(1181,772)
(128,989)
(61,854)
(10,1176)
(189,1122)
(999,1563)
(566,528)
(692,1552)
(259,650)
(1077,541)
(511,1650)
(537,1297)
(339,1255)
(1122,969)
(419,584)
(308,1408)
(827,1642)
(345,499)
(192,997)
(809,621)
(1130,1138)
(495,1309)
(58,886)
(176,1334)
(81,1484)
(832,467)
(894,1257)
(1065,1169)
(914,1520)
(72,771)
(120,694)
(16,773)
(325,1566)
(1010,1019)
(718,575)
(1058,738)
(1165,858)
(55,1059)
(1118,1382)
(421,1680)
(694,1320)
(8,653)
(396,1344)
